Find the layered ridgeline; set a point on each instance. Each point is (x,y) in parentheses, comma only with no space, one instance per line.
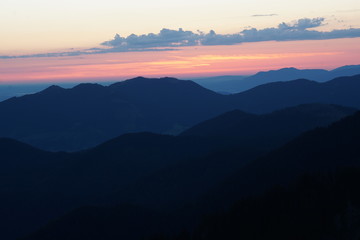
(37,186)
(236,84)
(323,206)
(225,84)
(222,84)
(278,124)
(278,95)
(246,138)
(88,114)
(311,187)
(152,171)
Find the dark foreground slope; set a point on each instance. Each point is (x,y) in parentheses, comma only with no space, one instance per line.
(321,206)
(154,171)
(250,136)
(94,223)
(88,114)
(37,186)
(21,166)
(320,150)
(318,208)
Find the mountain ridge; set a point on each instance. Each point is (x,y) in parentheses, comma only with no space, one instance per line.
(86,115)
(238,84)
(320,151)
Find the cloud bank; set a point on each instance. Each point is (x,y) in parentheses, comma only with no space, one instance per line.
(167,39)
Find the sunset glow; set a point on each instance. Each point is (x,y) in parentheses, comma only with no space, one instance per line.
(46,41)
(186,62)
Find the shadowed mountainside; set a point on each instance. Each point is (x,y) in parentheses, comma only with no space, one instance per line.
(152,171)
(322,206)
(319,150)
(250,135)
(285,123)
(88,114)
(317,206)
(274,96)
(236,84)
(140,168)
(54,183)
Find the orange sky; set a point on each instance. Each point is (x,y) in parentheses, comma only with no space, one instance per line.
(187,62)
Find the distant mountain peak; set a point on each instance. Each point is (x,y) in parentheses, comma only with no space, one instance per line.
(288,69)
(346,67)
(169,78)
(141,79)
(53,88)
(279,70)
(88,86)
(137,78)
(299,82)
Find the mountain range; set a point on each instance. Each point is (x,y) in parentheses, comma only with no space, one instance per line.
(220,84)
(168,159)
(319,206)
(150,170)
(60,119)
(236,84)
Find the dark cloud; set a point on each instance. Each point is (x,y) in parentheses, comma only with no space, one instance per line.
(301,29)
(302,24)
(219,39)
(59,54)
(166,38)
(265,15)
(298,30)
(170,40)
(86,52)
(177,38)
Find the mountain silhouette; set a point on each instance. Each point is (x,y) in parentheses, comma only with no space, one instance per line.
(88,114)
(317,153)
(245,136)
(17,156)
(38,186)
(279,95)
(139,168)
(319,150)
(221,84)
(236,84)
(281,123)
(22,167)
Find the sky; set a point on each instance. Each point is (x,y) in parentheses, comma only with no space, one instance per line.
(44,40)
